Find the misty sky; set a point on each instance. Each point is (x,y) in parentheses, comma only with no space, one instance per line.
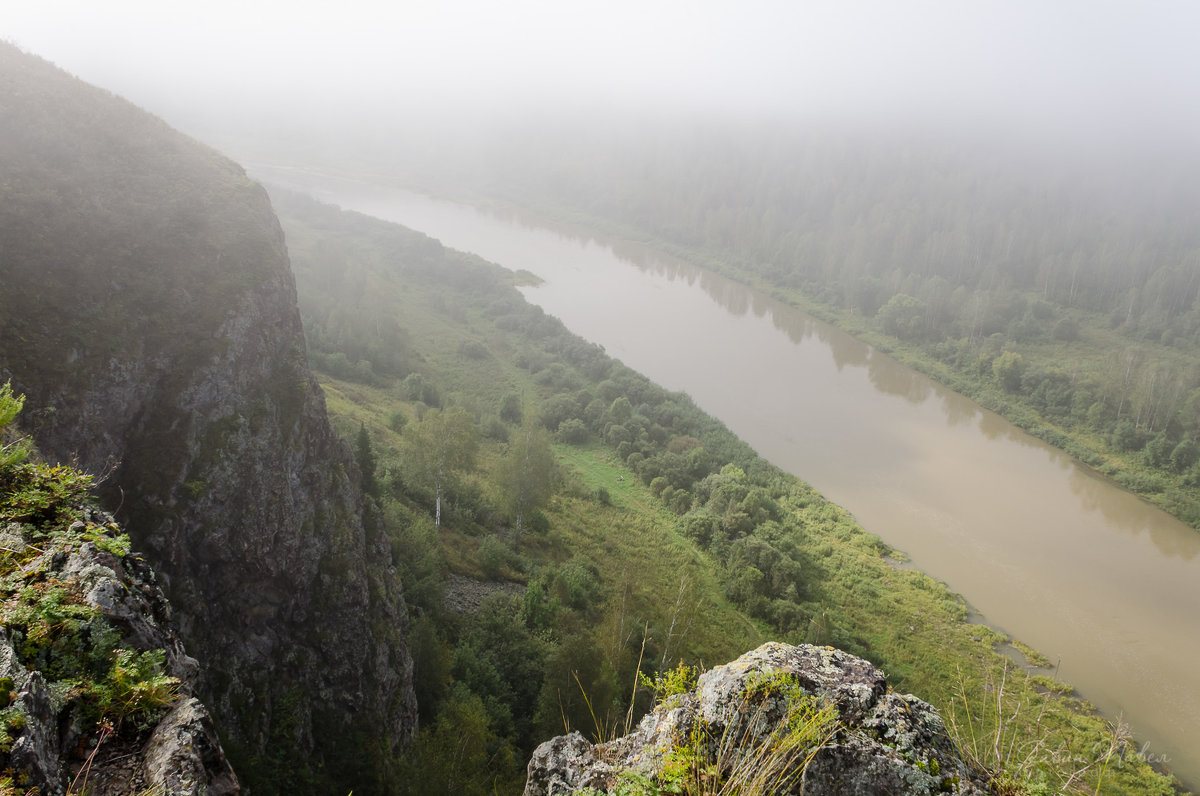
(1125,71)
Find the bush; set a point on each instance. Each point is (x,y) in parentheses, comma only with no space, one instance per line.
(1098,416)
(573,431)
(1066,330)
(473,349)
(558,408)
(578,584)
(1126,437)
(537,522)
(1185,454)
(494,556)
(903,316)
(1157,452)
(494,428)
(559,378)
(1008,369)
(617,434)
(700,527)
(18,450)
(397,421)
(511,410)
(417,388)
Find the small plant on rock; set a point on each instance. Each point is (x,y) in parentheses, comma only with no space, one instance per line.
(670,683)
(764,747)
(93,676)
(18,450)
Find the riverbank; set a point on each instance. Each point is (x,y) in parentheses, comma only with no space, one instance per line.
(1154,463)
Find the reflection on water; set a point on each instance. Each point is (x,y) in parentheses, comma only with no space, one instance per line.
(993,427)
(850,353)
(909,385)
(1088,573)
(957,412)
(1129,513)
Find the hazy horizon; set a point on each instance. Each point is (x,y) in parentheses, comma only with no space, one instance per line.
(1121,74)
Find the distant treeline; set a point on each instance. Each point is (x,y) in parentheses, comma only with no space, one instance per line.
(857,218)
(1062,291)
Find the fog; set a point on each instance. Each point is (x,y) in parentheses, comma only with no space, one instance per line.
(970,151)
(1122,73)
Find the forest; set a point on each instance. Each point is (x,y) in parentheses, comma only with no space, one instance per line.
(565,527)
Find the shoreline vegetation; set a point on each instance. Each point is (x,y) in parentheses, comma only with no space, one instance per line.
(1095,355)
(623,516)
(1161,468)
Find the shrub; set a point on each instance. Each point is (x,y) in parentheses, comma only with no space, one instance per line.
(494,428)
(18,450)
(53,629)
(397,421)
(1008,368)
(903,316)
(573,431)
(1184,455)
(416,388)
(473,349)
(1066,330)
(494,556)
(511,410)
(1126,437)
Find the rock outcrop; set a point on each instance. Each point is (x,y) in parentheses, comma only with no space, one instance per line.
(811,720)
(155,735)
(148,312)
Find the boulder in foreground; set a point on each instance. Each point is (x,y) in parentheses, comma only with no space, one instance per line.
(779,719)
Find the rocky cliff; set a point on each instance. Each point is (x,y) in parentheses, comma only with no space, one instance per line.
(148,312)
(97,689)
(780,719)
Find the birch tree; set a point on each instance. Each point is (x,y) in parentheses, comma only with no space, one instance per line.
(526,472)
(440,444)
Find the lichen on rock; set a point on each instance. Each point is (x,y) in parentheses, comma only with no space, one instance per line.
(97,681)
(779,719)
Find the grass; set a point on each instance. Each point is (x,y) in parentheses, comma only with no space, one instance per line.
(1022,742)
(598,467)
(762,748)
(661,571)
(654,576)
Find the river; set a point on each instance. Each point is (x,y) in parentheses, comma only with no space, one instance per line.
(1098,580)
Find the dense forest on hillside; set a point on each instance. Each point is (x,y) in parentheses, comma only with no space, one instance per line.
(1060,289)
(564,525)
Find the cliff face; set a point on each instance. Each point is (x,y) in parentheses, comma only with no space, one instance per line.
(149,314)
(779,719)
